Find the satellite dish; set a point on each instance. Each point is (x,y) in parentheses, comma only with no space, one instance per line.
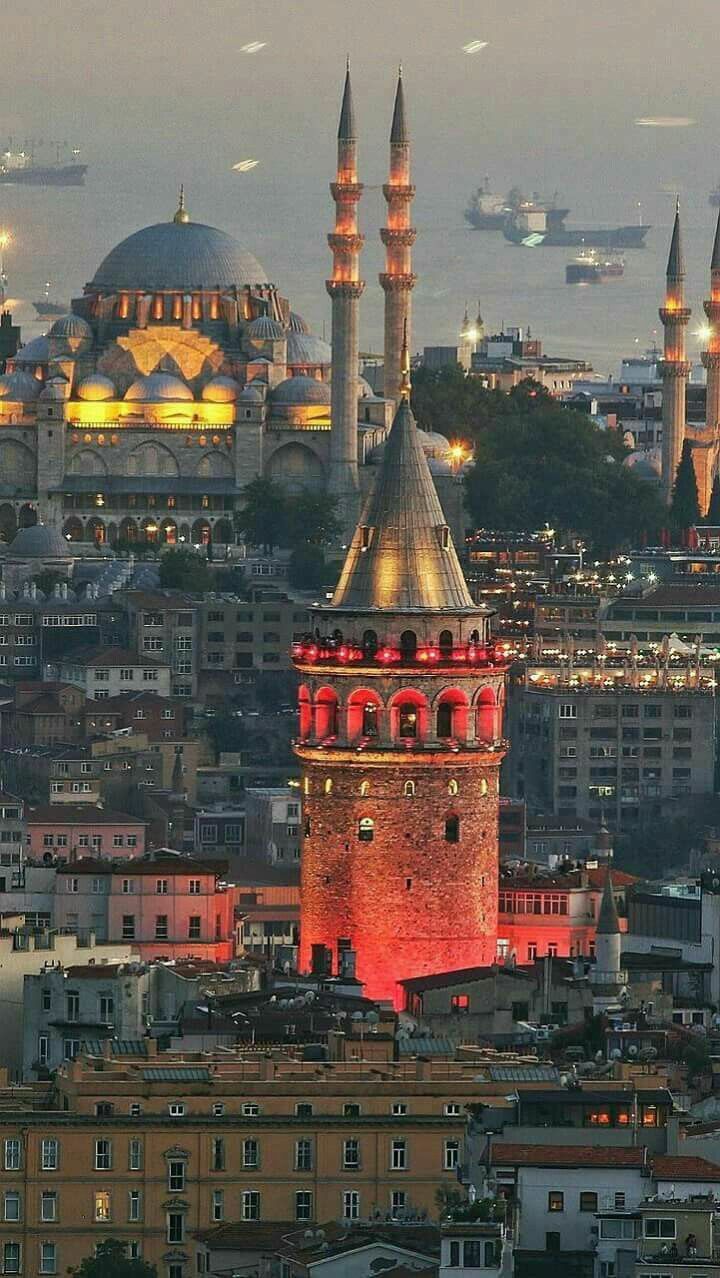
(357,1016)
(632,1050)
(372,1018)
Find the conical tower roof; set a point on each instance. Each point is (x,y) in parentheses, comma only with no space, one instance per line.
(608,923)
(715,261)
(346,127)
(402,556)
(399,131)
(676,257)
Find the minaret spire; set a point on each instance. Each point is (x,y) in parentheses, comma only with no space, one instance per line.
(182,216)
(398,236)
(711,357)
(345,289)
(675,367)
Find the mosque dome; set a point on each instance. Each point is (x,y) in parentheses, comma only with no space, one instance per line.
(36,351)
(96,387)
(178,255)
(305,348)
(20,386)
(71,326)
(301,390)
(435,443)
(158,386)
(438,466)
(297,324)
(41,541)
(251,394)
(221,390)
(265,329)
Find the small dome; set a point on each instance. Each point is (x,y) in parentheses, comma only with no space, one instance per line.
(251,394)
(36,351)
(70,326)
(265,329)
(41,541)
(158,386)
(297,324)
(305,348)
(301,390)
(19,386)
(96,387)
(365,390)
(56,388)
(221,390)
(645,464)
(435,443)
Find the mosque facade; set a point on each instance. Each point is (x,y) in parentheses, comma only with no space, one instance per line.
(181,375)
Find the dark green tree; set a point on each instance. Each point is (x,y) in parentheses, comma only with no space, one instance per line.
(307,569)
(685,506)
(184,569)
(111,1261)
(713,510)
(227,733)
(263,518)
(312,519)
(275,690)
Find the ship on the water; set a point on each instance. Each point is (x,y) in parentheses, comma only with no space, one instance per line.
(590,267)
(714,197)
(489,212)
(45,306)
(19,168)
(533,226)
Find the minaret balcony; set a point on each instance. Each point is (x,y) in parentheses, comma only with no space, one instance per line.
(345,288)
(674,367)
(346,190)
(394,191)
(675,314)
(326,655)
(345,241)
(397,283)
(402,237)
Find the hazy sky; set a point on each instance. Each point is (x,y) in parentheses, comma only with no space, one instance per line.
(158,91)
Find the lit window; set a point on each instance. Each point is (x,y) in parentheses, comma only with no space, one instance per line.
(366,829)
(102,1205)
(452,787)
(409,790)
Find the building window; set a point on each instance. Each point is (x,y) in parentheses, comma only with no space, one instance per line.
(11,1258)
(588,1201)
(304,1110)
(453,788)
(567,710)
(218,1154)
(303,1205)
(398,1155)
(552,1241)
(12,1205)
(250,1153)
(176,1109)
(556,1200)
(366,829)
(106,1008)
(176,1175)
(452,829)
(135,1155)
(659,1227)
(175,1227)
(161,927)
(161,887)
(398,1109)
(303,1155)
(218,1205)
(103,1155)
(351,1154)
(49,1155)
(128,927)
(250,1205)
(48,1258)
(451,1155)
(351,1204)
(407,721)
(250,1110)
(102,1205)
(134,1205)
(460,1003)
(194,927)
(48,1205)
(409,790)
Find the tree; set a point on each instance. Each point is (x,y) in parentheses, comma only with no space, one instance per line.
(311,519)
(685,507)
(307,569)
(263,518)
(227,732)
(713,510)
(272,691)
(111,1261)
(184,569)
(48,579)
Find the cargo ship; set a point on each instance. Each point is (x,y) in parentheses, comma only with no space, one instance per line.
(18,168)
(533,226)
(489,212)
(591,268)
(46,307)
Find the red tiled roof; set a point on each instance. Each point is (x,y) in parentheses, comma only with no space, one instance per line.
(681,1167)
(109,657)
(506,1154)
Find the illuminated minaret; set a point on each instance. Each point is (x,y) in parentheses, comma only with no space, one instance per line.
(398,237)
(345,289)
(711,357)
(675,368)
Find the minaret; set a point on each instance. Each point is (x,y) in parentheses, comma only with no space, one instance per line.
(607,933)
(711,357)
(675,368)
(345,289)
(400,743)
(398,237)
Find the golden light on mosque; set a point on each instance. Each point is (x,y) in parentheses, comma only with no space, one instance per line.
(704,332)
(5,239)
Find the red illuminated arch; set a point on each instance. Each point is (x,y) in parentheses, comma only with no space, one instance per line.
(363,707)
(489,715)
(305,712)
(326,713)
(409,709)
(452,714)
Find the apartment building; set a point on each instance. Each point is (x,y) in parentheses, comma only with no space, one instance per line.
(164,625)
(611,745)
(250,635)
(44,714)
(69,831)
(159,718)
(273,818)
(102,673)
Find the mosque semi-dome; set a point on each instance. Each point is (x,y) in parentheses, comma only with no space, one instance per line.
(96,387)
(20,386)
(305,348)
(158,386)
(301,390)
(36,351)
(265,329)
(71,326)
(40,541)
(221,390)
(178,255)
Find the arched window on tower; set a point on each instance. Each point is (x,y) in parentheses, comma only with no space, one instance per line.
(364,789)
(409,790)
(370,719)
(329,786)
(408,645)
(452,829)
(407,720)
(446,643)
(370,643)
(453,787)
(445,720)
(366,829)
(483,787)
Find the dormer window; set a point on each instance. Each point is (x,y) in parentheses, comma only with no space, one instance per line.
(365,536)
(444,537)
